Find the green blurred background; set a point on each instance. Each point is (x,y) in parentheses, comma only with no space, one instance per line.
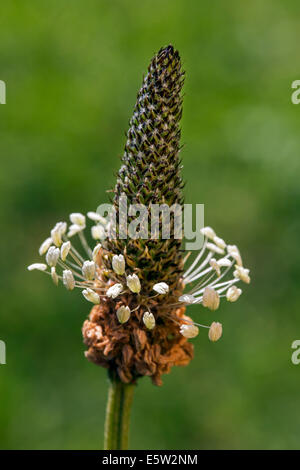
(72,71)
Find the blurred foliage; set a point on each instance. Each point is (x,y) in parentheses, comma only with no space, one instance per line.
(72,71)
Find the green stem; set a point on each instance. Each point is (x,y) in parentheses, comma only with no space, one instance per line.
(118,409)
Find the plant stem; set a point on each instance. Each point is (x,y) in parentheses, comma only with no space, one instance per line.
(118,409)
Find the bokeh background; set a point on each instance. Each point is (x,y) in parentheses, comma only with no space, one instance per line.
(72,71)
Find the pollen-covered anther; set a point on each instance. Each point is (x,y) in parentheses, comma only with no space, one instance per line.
(52,256)
(64,250)
(233,293)
(149,320)
(189,331)
(215,265)
(242,274)
(88,270)
(208,232)
(58,232)
(234,252)
(224,262)
(210,298)
(187,299)
(78,219)
(118,264)
(37,266)
(219,242)
(215,331)
(114,290)
(68,279)
(74,229)
(214,248)
(45,246)
(123,314)
(96,251)
(98,232)
(161,288)
(133,283)
(91,295)
(96,217)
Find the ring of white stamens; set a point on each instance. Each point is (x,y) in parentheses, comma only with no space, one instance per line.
(205,274)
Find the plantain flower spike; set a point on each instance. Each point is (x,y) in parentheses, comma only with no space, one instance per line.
(139,285)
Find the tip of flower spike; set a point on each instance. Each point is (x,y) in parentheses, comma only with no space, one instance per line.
(167,52)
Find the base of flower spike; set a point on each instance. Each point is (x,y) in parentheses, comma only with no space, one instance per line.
(131,350)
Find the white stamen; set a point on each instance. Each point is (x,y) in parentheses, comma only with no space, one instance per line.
(96,252)
(201,274)
(226,283)
(187,299)
(224,262)
(68,279)
(133,283)
(91,295)
(38,266)
(189,331)
(74,229)
(114,291)
(45,246)
(123,314)
(219,242)
(214,248)
(214,282)
(64,250)
(242,274)
(208,232)
(88,270)
(215,331)
(229,284)
(233,293)
(96,217)
(78,219)
(161,288)
(57,233)
(215,265)
(118,264)
(235,254)
(98,232)
(149,320)
(52,256)
(196,260)
(210,298)
(191,276)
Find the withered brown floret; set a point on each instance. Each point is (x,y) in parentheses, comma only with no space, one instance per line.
(131,350)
